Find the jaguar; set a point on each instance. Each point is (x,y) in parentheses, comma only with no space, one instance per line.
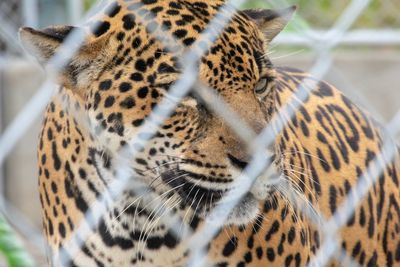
(160,176)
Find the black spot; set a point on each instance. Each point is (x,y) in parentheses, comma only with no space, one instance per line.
(324,89)
(373,260)
(124,87)
(128,103)
(259,253)
(200,5)
(371,222)
(356,249)
(113,9)
(97,99)
(335,158)
(150,62)
(274,228)
(362,219)
(100,27)
(398,252)
(248,257)
(280,246)
(136,43)
(140,65)
(109,101)
(166,24)
(152,151)
(194,223)
(142,92)
(321,137)
(54,187)
(50,226)
(56,158)
(332,198)
(154,94)
(175,5)
(137,123)
(156,9)
(120,36)
(303,239)
(250,242)
(304,128)
(230,246)
(291,235)
(149,2)
(170,241)
(46,173)
(322,161)
(61,229)
(154,242)
(172,12)
(180,33)
(118,75)
(288,260)
(82,173)
(297,259)
(129,21)
(136,77)
(165,68)
(49,134)
(141,162)
(270,254)
(284,213)
(189,41)
(105,85)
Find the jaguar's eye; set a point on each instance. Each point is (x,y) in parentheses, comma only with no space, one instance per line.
(261,86)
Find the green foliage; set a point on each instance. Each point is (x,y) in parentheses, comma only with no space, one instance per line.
(324,13)
(89,3)
(11,247)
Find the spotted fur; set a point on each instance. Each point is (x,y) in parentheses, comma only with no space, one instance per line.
(111,86)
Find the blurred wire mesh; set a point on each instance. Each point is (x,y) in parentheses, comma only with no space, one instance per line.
(364,45)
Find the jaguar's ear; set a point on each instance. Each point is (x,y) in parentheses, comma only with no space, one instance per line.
(271,22)
(43,44)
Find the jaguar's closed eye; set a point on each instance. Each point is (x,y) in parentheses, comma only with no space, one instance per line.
(261,86)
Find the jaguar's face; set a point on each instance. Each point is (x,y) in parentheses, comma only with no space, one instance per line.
(128,66)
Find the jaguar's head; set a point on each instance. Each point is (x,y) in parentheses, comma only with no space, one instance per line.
(131,60)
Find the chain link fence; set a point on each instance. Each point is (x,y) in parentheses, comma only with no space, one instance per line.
(320,29)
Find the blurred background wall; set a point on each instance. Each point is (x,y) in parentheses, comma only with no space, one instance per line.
(365,65)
